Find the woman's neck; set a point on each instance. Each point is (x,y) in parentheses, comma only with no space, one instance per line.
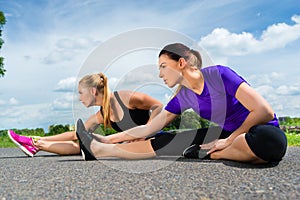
(194,81)
(99,99)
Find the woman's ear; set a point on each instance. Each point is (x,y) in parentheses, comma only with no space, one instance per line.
(182,63)
(93,91)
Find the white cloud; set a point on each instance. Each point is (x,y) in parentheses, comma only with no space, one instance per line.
(22,116)
(265,90)
(288,90)
(139,76)
(279,35)
(59,104)
(57,56)
(66,49)
(64,102)
(282,99)
(66,85)
(33,116)
(2,102)
(286,106)
(279,90)
(13,101)
(224,43)
(75,43)
(272,78)
(222,40)
(112,82)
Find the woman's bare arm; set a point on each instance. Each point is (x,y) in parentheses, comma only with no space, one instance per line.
(158,122)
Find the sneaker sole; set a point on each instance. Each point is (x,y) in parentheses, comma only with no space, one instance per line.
(83,154)
(86,153)
(201,154)
(186,149)
(20,146)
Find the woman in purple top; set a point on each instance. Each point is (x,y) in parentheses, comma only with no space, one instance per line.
(247,131)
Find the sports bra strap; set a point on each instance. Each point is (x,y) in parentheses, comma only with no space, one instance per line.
(120,101)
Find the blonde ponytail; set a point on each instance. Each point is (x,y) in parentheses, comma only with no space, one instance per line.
(103,87)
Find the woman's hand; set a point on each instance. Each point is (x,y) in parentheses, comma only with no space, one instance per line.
(216,145)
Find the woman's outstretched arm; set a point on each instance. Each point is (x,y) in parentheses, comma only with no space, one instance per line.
(145,102)
(157,123)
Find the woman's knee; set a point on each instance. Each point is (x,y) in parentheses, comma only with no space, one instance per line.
(267,142)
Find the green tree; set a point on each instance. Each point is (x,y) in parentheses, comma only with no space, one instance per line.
(191,120)
(289,121)
(57,129)
(102,131)
(175,124)
(188,120)
(2,22)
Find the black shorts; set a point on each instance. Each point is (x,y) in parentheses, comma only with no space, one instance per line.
(267,142)
(175,143)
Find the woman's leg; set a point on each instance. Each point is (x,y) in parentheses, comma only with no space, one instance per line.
(66,136)
(167,144)
(263,143)
(62,144)
(237,151)
(58,147)
(164,144)
(133,150)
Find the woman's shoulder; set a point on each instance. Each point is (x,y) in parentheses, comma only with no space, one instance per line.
(128,94)
(123,96)
(130,98)
(215,69)
(123,92)
(212,72)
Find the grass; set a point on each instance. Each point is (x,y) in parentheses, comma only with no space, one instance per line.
(5,142)
(293,139)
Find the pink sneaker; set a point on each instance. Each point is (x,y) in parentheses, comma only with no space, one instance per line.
(23,142)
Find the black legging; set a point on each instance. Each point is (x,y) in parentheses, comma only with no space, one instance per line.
(175,144)
(267,142)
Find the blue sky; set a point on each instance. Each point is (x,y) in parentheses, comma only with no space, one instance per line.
(47,43)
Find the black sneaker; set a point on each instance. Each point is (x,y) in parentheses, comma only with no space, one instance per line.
(194,151)
(85,139)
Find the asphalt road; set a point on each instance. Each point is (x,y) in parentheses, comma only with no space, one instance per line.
(48,176)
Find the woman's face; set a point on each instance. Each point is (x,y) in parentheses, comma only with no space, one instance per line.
(86,96)
(169,71)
